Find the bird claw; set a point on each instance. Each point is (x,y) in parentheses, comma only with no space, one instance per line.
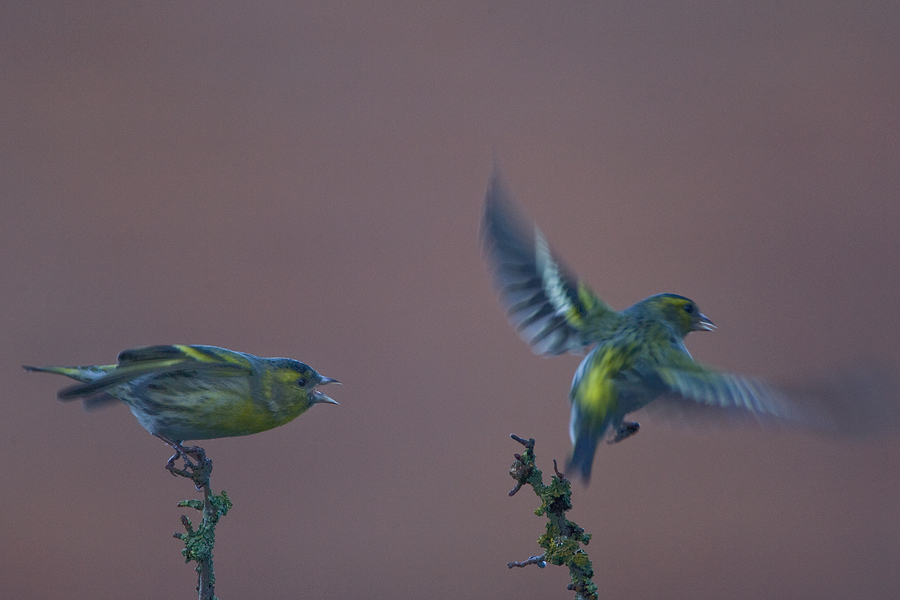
(625,430)
(170,466)
(191,469)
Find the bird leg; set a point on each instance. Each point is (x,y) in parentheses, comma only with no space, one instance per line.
(625,430)
(185,453)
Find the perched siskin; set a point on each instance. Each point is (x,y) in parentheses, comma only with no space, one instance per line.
(638,354)
(183,393)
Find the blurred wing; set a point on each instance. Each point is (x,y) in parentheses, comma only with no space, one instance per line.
(178,352)
(861,399)
(156,360)
(148,354)
(857,401)
(550,309)
(696,393)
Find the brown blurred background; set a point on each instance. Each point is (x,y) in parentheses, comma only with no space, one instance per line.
(306,180)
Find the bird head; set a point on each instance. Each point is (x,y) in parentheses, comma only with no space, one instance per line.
(296,383)
(680,312)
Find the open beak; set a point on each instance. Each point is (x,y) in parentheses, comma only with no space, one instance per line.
(704,324)
(319,397)
(323,398)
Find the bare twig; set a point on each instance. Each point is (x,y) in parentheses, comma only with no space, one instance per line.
(532,560)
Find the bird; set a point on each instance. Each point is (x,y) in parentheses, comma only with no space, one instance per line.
(636,357)
(181,392)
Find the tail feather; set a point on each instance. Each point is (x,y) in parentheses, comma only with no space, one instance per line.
(83,374)
(582,458)
(98,401)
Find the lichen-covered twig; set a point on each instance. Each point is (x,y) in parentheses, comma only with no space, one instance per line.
(198,544)
(562,539)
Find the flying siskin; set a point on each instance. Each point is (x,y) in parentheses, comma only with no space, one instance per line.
(638,354)
(183,393)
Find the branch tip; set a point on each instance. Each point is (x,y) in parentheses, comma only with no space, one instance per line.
(539,560)
(560,476)
(529,443)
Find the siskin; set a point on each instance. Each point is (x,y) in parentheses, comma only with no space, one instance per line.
(183,393)
(638,354)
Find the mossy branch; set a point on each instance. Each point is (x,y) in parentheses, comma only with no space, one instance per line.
(563,538)
(198,544)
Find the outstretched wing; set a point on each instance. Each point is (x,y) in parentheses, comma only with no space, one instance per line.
(156,360)
(697,393)
(550,308)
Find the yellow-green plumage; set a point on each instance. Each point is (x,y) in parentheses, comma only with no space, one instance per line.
(183,392)
(637,356)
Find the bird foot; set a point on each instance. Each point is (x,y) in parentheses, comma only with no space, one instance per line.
(185,453)
(625,430)
(191,470)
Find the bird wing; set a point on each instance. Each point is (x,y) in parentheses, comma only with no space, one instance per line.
(694,392)
(156,360)
(550,308)
(857,399)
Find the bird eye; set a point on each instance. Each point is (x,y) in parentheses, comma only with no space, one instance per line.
(689,309)
(302,382)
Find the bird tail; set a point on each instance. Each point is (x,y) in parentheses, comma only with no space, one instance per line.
(84,375)
(582,458)
(585,431)
(77,373)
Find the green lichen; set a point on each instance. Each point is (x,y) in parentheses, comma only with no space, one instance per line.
(198,544)
(563,538)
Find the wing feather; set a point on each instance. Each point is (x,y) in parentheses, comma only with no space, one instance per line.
(694,392)
(158,360)
(550,309)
